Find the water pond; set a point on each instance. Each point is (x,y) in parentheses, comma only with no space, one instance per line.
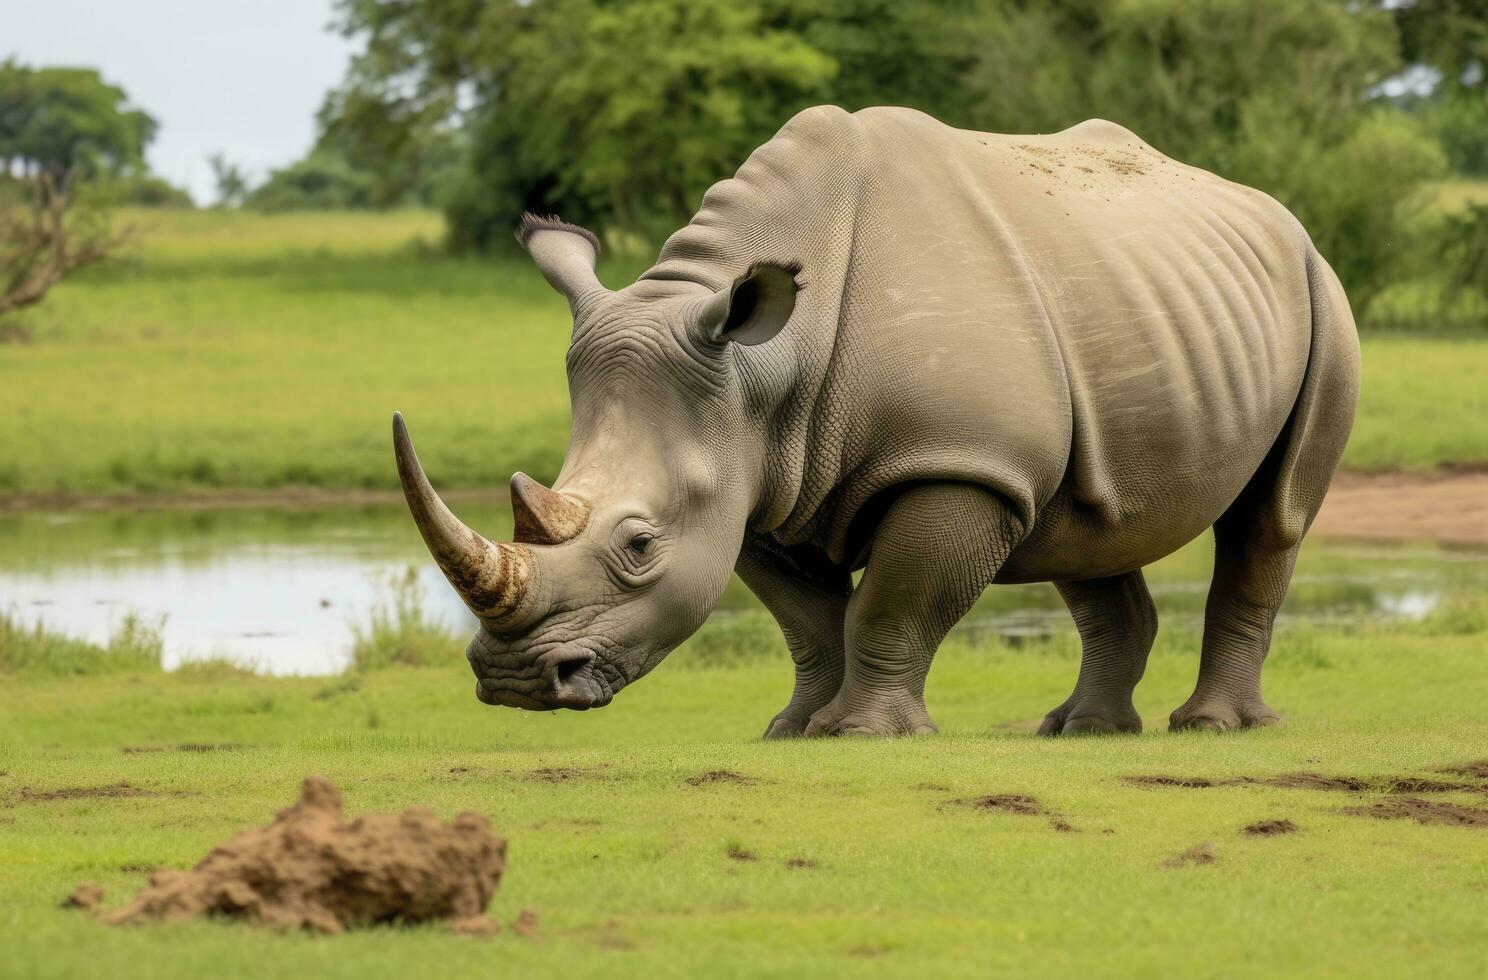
(280,589)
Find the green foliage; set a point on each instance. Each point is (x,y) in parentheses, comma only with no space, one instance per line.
(400,631)
(58,120)
(321,181)
(1464,250)
(38,651)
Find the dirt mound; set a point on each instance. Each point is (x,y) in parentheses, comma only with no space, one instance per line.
(312,869)
(1198,854)
(1007,803)
(1270,828)
(721,776)
(1424,812)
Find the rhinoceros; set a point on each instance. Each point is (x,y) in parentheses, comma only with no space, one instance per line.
(944,358)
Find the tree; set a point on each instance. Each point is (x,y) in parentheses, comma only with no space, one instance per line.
(45,237)
(321,180)
(1448,39)
(230,180)
(618,112)
(60,121)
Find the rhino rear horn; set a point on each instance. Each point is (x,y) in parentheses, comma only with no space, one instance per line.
(491,578)
(543,516)
(565,254)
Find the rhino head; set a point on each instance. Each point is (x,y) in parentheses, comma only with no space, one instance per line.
(626,555)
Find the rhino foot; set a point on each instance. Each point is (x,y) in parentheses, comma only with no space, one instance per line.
(787,724)
(1220,715)
(900,715)
(1092,716)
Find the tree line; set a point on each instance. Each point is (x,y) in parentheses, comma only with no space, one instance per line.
(620,113)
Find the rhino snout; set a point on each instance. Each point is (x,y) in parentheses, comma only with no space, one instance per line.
(568,676)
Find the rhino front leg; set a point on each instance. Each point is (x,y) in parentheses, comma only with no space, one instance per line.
(934,552)
(810,606)
(1117,623)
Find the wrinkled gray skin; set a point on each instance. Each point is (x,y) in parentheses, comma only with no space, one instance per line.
(945,358)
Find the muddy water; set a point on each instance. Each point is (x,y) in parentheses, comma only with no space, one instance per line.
(280,588)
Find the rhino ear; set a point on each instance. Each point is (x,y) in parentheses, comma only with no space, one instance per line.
(565,254)
(755,308)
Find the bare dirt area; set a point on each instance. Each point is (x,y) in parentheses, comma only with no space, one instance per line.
(1424,812)
(313,869)
(1451,506)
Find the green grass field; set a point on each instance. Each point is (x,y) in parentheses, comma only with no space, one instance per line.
(238,350)
(634,871)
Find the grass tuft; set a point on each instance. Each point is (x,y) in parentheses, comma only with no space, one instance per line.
(400,632)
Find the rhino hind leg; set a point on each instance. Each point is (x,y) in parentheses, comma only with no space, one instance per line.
(937,547)
(1257,538)
(1117,623)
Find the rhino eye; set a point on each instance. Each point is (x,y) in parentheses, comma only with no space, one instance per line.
(640,544)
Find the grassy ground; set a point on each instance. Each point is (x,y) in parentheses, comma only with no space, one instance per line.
(634,871)
(238,350)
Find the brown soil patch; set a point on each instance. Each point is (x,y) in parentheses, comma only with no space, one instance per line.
(313,869)
(476,925)
(1477,770)
(721,776)
(1063,826)
(1198,854)
(1270,828)
(558,774)
(932,787)
(738,852)
(1183,782)
(1006,803)
(800,863)
(525,924)
(1423,812)
(1450,505)
(1309,781)
(29,795)
(1359,784)
(85,897)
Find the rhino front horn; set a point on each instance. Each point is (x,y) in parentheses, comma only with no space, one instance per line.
(491,578)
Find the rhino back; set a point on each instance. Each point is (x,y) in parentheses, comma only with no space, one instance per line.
(1108,338)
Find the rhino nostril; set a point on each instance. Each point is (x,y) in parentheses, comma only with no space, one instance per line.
(565,670)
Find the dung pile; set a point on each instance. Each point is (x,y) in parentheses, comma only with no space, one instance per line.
(312,869)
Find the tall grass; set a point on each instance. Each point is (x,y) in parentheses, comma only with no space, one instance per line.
(400,632)
(136,644)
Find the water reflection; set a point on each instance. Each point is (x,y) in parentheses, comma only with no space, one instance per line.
(280,588)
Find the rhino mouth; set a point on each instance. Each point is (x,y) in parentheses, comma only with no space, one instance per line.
(571,676)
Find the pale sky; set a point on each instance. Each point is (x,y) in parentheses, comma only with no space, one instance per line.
(231,76)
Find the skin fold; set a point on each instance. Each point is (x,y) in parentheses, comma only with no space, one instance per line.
(947,359)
